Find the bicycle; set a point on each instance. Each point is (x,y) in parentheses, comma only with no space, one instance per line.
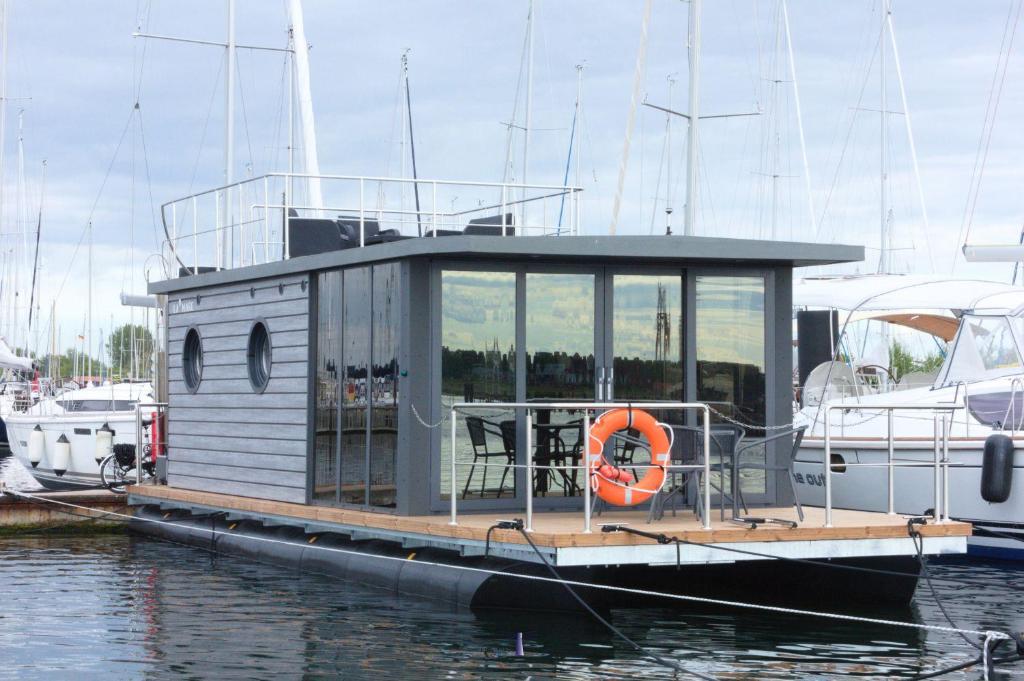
(118,469)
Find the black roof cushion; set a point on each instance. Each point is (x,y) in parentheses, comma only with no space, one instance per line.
(307,236)
(491,225)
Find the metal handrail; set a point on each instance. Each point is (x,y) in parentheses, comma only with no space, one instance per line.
(231,227)
(940,465)
(586,408)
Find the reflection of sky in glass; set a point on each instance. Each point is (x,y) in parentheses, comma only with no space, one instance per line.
(476,309)
(636,315)
(560,313)
(730,320)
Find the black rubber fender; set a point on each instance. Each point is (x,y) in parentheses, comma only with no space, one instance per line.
(997,468)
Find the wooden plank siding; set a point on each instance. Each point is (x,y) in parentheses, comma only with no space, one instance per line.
(226,437)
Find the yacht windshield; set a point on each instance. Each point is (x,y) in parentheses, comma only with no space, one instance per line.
(96,405)
(985,348)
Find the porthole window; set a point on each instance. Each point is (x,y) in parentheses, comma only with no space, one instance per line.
(259,356)
(192,360)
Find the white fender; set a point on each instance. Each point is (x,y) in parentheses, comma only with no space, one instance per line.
(61,455)
(36,446)
(104,442)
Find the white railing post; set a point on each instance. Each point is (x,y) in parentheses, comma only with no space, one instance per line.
(241,227)
(362,214)
(433,206)
(586,471)
(174,234)
(266,222)
(504,200)
(529,469)
(892,500)
(451,487)
(707,469)
(946,431)
(936,472)
(219,247)
(828,465)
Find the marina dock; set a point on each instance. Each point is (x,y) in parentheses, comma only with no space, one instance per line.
(93,506)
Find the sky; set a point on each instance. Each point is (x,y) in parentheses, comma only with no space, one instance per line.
(75,72)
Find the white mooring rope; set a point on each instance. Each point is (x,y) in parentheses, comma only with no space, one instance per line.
(988,634)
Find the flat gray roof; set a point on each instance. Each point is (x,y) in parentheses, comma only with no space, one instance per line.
(577,250)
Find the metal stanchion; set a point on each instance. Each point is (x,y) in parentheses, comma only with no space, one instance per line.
(892,500)
(586,471)
(451,487)
(707,469)
(529,470)
(936,473)
(828,466)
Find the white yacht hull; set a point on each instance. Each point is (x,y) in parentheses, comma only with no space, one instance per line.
(83,470)
(866,488)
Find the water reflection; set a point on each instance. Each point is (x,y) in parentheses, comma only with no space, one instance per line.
(116,607)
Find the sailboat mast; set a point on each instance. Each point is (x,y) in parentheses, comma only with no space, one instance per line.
(529,105)
(301,53)
(19,243)
(668,159)
(692,150)
(88,326)
(883,262)
(3,128)
(229,138)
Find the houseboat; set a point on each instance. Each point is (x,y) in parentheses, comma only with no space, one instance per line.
(441,398)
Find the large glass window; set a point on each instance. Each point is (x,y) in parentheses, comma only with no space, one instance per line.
(355,359)
(478,332)
(328,336)
(560,363)
(647,330)
(384,391)
(731,354)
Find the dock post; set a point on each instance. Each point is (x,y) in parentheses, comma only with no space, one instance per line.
(828,465)
(529,470)
(452,485)
(892,502)
(586,471)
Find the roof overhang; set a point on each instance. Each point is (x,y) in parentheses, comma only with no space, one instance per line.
(579,250)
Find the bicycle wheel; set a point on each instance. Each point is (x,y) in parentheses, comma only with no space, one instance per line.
(113,475)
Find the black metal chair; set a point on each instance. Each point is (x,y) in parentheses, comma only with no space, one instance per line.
(785,466)
(689,451)
(479,429)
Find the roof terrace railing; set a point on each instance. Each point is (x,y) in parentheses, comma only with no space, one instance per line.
(254,221)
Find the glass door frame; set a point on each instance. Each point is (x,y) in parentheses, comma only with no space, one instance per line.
(521,270)
(768,275)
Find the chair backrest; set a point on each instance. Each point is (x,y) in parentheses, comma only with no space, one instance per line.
(477,435)
(508,435)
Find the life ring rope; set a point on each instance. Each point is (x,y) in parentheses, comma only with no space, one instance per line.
(616,491)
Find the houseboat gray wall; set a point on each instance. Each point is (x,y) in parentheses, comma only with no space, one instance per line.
(205,423)
(225,436)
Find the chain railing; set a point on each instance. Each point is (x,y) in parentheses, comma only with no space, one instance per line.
(249,222)
(588,457)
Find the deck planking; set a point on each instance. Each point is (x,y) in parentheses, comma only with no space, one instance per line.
(565,529)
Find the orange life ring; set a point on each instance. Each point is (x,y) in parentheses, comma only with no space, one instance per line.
(610,483)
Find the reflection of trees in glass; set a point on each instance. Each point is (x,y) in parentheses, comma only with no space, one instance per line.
(559,335)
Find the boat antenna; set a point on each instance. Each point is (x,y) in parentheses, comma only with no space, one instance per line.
(412,143)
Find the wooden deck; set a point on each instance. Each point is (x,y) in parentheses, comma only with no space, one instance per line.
(565,529)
